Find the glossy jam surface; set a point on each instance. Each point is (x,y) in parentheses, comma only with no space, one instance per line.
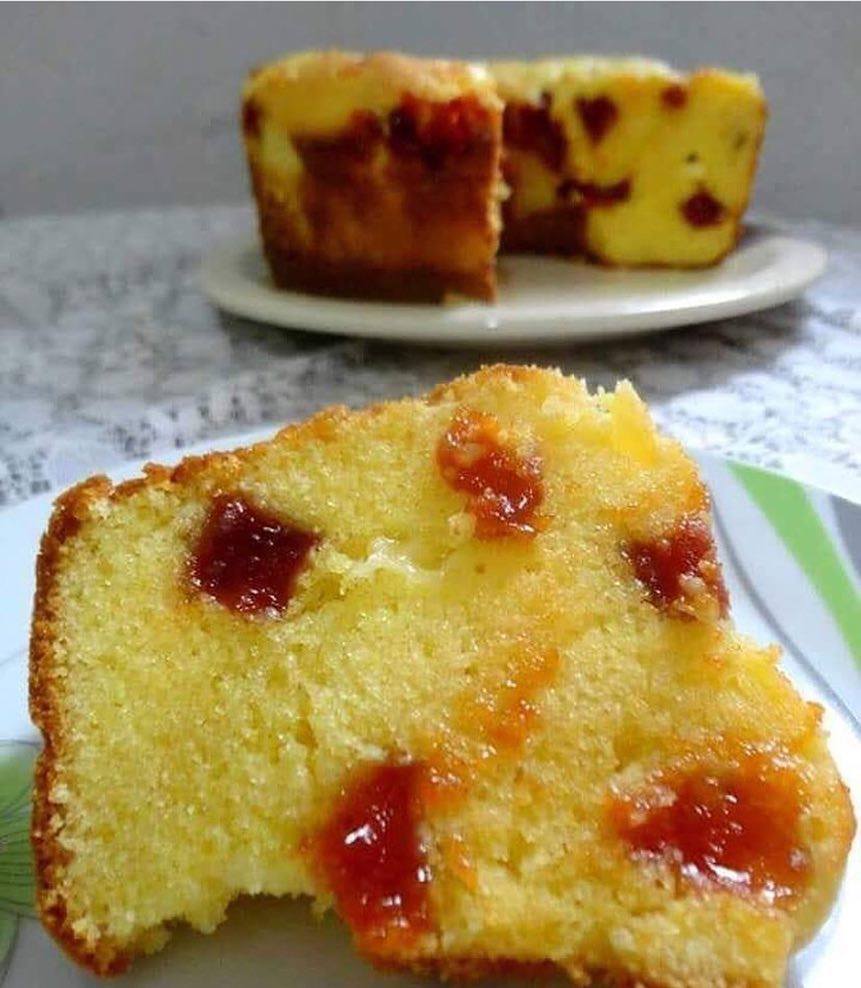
(702,209)
(371,856)
(504,489)
(737,829)
(674,96)
(598,116)
(667,567)
(529,127)
(437,132)
(248,559)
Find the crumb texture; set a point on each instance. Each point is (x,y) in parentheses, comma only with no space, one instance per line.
(485,729)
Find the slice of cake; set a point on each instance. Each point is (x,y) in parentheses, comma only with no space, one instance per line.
(458,667)
(627,162)
(376,175)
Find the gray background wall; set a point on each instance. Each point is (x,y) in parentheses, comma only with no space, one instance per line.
(106,105)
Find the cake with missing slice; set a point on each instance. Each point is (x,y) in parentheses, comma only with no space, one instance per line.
(460,668)
(382,175)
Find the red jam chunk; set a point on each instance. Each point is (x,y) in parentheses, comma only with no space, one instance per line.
(702,209)
(736,830)
(531,128)
(251,118)
(591,195)
(371,856)
(598,116)
(667,566)
(437,132)
(505,489)
(246,558)
(674,96)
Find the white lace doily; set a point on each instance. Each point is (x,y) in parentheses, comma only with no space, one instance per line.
(109,352)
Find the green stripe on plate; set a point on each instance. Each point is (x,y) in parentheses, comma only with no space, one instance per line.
(787,506)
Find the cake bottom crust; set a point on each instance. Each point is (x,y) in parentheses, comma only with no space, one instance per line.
(464,970)
(353,279)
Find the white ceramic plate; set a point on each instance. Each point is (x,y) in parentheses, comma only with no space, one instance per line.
(792,558)
(541,300)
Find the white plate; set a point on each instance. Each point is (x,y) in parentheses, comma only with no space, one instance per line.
(541,299)
(791,560)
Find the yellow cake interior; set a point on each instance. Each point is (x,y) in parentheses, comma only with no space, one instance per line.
(703,135)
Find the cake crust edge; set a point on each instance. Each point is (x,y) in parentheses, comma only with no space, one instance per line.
(70,510)
(351,280)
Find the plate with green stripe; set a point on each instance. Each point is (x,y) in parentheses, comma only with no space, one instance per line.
(791,555)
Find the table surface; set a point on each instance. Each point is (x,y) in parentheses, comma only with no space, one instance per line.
(109,352)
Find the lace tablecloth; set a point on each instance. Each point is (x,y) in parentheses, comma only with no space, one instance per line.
(109,352)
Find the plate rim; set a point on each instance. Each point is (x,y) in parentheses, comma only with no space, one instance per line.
(798,263)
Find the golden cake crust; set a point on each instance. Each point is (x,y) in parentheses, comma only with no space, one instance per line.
(292,268)
(69,510)
(392,72)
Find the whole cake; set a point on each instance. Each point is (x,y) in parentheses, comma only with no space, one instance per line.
(382,175)
(376,175)
(458,667)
